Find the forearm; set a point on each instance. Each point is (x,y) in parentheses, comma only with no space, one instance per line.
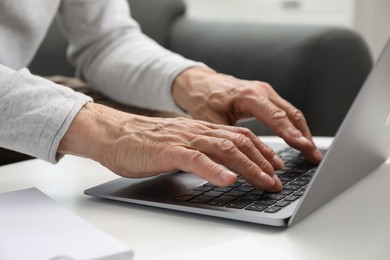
(116,58)
(35,113)
(125,74)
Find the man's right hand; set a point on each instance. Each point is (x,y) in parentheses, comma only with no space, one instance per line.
(136,146)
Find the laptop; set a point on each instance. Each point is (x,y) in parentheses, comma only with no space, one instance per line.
(361,144)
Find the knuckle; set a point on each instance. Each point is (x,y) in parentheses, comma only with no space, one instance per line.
(226,146)
(249,92)
(212,168)
(193,157)
(242,140)
(252,167)
(266,166)
(265,85)
(298,116)
(196,141)
(277,114)
(265,148)
(245,131)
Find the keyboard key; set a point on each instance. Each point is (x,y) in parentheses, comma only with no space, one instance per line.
(293,175)
(286,178)
(310,173)
(291,187)
(203,188)
(212,193)
(235,185)
(252,197)
(299,193)
(238,203)
(223,189)
(281,172)
(235,193)
(286,192)
(272,209)
(287,156)
(265,202)
(282,203)
(240,179)
(221,201)
(291,164)
(275,196)
(193,192)
(305,178)
(248,185)
(245,188)
(292,198)
(299,183)
(201,199)
(209,185)
(256,207)
(299,171)
(257,192)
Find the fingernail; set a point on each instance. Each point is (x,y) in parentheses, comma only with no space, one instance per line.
(266,180)
(228,176)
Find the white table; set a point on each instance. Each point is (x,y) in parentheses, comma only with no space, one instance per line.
(353,226)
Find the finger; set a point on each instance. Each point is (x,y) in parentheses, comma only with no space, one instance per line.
(250,145)
(277,120)
(299,121)
(244,139)
(226,152)
(266,151)
(294,114)
(196,162)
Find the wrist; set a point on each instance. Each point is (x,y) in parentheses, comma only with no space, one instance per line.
(89,132)
(188,89)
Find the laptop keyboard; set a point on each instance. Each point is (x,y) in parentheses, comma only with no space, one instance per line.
(295,177)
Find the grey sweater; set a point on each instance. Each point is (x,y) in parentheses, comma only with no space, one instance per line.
(109,52)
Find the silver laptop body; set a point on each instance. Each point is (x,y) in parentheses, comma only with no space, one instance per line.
(361,145)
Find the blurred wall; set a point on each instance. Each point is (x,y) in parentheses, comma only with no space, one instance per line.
(371,18)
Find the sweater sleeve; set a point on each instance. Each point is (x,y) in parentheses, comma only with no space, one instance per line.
(35,113)
(111,53)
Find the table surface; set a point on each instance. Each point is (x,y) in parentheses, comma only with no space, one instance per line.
(354,225)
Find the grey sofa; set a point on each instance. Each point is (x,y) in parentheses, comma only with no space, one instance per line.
(319,69)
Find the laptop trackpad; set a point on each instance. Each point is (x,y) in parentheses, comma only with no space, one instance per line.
(161,188)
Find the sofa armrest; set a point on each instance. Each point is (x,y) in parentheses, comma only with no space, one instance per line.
(318,69)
